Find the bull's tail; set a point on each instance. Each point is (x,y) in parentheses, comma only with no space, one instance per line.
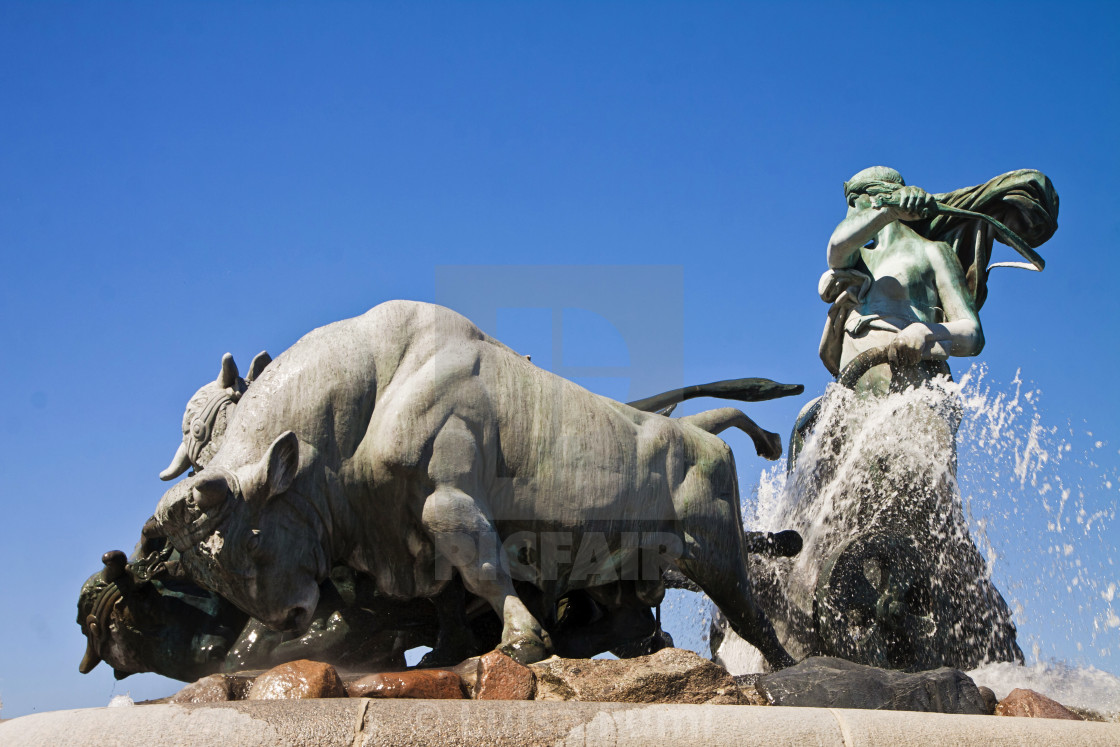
(743,390)
(767,444)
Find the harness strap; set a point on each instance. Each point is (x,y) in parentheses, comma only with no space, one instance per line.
(202,427)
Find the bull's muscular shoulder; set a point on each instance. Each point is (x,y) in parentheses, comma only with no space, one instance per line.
(417,329)
(324,386)
(408,322)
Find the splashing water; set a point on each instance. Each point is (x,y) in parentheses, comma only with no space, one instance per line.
(121,701)
(1076,687)
(1038,504)
(1063,501)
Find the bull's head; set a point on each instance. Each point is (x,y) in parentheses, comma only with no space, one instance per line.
(138,618)
(207,413)
(252,533)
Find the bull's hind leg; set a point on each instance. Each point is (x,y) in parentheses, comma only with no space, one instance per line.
(715,558)
(767,444)
(723,577)
(465,537)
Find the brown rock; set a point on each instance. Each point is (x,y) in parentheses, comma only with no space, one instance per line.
(468,670)
(419,683)
(1021,702)
(298,679)
(215,688)
(502,678)
(671,675)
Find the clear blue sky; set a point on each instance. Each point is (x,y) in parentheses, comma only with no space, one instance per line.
(178,180)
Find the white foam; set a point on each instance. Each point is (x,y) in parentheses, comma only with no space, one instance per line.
(1079,687)
(121,701)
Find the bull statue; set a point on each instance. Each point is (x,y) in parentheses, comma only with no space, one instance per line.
(147,615)
(408,445)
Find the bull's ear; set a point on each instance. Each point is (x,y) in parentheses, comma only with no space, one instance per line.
(281,464)
(256,368)
(228,376)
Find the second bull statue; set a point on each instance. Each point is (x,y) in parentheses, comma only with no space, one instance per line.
(408,445)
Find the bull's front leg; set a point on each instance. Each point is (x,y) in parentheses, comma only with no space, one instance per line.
(456,519)
(465,539)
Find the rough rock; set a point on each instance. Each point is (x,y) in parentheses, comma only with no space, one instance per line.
(1022,702)
(437,684)
(298,679)
(671,675)
(990,700)
(215,688)
(825,682)
(749,690)
(502,678)
(1088,714)
(468,674)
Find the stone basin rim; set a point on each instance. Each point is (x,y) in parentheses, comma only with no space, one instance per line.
(366,721)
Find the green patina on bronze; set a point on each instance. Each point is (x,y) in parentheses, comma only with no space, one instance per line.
(893,578)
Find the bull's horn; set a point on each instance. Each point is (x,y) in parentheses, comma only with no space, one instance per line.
(115,562)
(228,376)
(256,368)
(90,660)
(180,463)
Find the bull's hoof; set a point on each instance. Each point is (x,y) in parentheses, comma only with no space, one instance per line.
(769,446)
(786,543)
(526,650)
(644,646)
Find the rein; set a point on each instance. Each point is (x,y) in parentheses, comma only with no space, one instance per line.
(1006,235)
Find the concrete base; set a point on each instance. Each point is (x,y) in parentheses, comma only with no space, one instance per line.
(365,722)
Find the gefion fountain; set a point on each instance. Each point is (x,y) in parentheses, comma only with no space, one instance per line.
(402,479)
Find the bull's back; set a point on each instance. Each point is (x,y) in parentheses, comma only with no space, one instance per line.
(569,457)
(326,385)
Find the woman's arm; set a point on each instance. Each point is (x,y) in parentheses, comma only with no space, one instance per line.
(864,221)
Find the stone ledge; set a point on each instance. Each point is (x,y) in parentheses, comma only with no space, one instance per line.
(368,722)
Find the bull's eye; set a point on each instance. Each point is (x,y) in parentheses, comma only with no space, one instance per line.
(253,544)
